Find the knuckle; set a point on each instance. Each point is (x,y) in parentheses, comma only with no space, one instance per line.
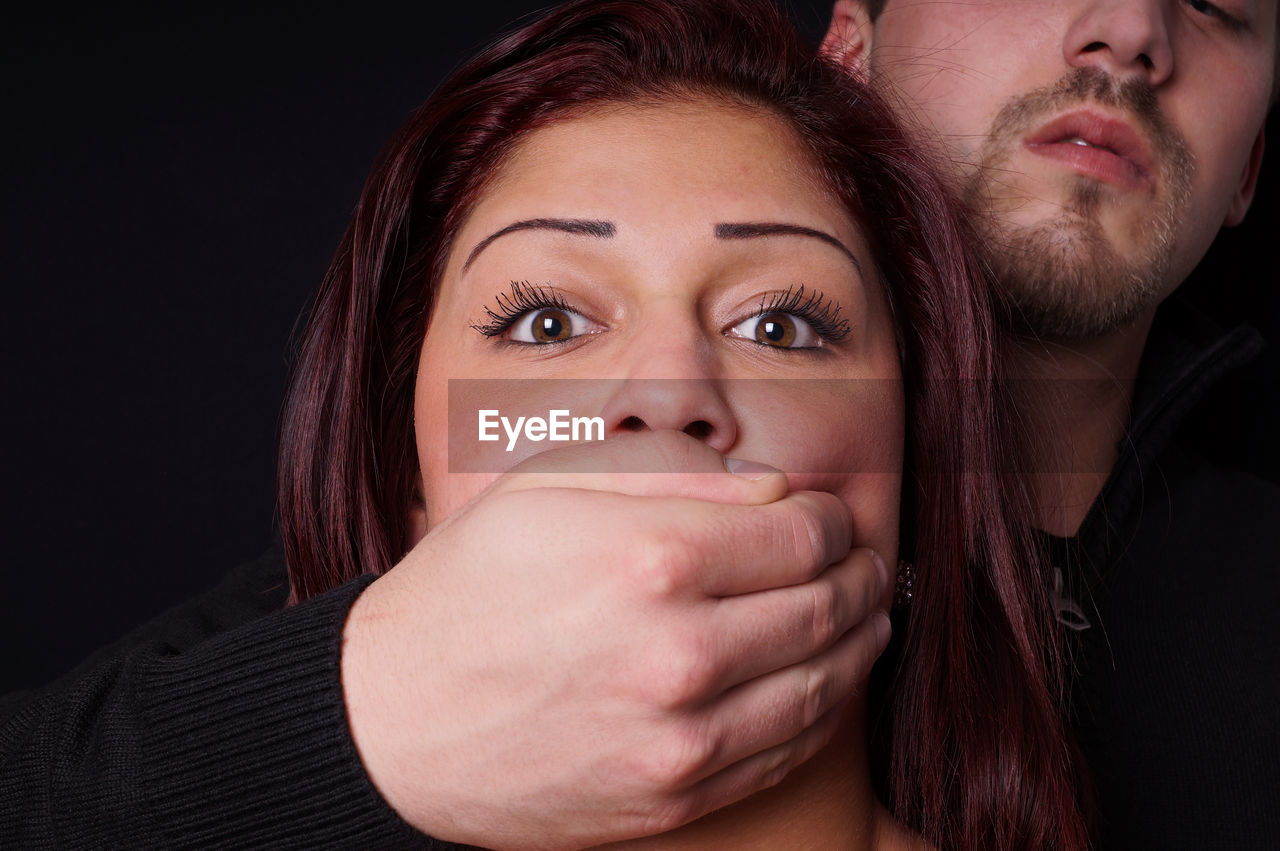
(825,616)
(688,674)
(808,538)
(867,585)
(776,767)
(659,567)
(673,762)
(816,697)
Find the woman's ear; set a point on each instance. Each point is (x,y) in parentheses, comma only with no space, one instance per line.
(416,522)
(849,37)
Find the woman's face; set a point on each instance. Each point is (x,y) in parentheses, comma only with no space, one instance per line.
(681,264)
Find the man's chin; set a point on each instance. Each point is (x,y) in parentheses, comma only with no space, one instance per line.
(1064,280)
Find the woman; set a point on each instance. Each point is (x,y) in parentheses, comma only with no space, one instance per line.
(678,190)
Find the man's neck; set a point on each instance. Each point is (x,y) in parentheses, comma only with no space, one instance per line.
(1075,399)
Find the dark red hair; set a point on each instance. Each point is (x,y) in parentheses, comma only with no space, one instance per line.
(977,754)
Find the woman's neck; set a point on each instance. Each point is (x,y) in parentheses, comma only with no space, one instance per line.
(826,803)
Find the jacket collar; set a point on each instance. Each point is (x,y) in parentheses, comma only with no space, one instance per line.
(1187,355)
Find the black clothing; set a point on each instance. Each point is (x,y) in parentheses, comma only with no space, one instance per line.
(1177,566)
(219,724)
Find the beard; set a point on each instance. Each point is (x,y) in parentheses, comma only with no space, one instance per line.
(1062,278)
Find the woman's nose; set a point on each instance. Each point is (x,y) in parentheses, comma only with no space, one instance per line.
(675,383)
(694,406)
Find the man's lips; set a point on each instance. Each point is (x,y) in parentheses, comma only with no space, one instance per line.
(1099,146)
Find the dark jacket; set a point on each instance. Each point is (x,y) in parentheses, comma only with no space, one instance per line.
(1177,567)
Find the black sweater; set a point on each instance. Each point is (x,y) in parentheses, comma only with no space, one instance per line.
(1177,566)
(219,724)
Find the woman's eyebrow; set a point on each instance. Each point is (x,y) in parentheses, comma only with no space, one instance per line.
(752,230)
(584,227)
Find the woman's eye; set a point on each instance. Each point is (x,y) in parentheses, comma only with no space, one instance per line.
(547,325)
(780,330)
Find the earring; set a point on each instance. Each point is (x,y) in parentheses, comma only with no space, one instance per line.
(902,589)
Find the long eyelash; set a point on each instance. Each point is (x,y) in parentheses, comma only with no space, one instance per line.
(519,300)
(822,314)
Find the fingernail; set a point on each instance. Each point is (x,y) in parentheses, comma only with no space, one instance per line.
(882,569)
(748,469)
(880,622)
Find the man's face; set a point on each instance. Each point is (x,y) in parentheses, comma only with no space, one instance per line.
(1101,143)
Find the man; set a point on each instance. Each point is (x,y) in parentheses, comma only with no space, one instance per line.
(1101,145)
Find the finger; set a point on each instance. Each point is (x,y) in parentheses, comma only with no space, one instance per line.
(776,709)
(743,549)
(760,770)
(663,463)
(751,635)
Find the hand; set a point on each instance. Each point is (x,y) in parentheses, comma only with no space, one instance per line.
(569,660)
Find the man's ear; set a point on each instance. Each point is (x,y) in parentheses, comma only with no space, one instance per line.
(848,38)
(1248,182)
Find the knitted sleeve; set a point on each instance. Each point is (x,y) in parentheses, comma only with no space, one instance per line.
(219,724)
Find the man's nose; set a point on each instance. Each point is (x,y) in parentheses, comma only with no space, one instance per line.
(1125,38)
(673,381)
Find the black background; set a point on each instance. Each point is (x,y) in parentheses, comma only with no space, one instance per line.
(175,181)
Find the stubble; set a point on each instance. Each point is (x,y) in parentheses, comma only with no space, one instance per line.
(1062,277)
